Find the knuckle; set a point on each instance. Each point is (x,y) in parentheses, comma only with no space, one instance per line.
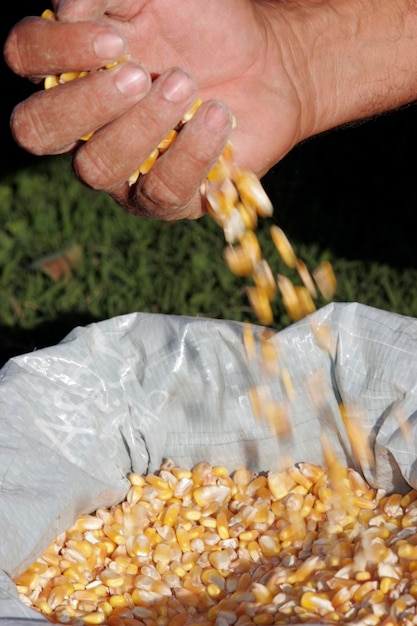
(13,51)
(152,197)
(94,167)
(29,130)
(165,206)
(169,193)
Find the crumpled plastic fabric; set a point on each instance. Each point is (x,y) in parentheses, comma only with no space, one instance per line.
(127,393)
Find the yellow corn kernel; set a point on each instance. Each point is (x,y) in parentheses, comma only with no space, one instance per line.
(66,77)
(44,608)
(238,260)
(264,279)
(209,522)
(316,601)
(408,498)
(88,522)
(249,341)
(306,277)
(221,471)
(51,81)
(222,524)
(365,589)
(167,141)
(183,539)
(29,579)
(47,14)
(283,246)
(247,213)
(85,548)
(191,514)
(75,575)
(111,578)
(290,297)
(250,244)
(252,192)
(259,301)
(191,111)
(118,600)
(325,279)
(279,484)
(134,494)
(162,553)
(257,402)
(59,593)
(136,479)
(171,514)
(96,617)
(269,358)
(387,584)
(407,551)
(306,304)
(148,163)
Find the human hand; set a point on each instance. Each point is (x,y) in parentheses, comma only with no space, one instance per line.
(227,56)
(285,70)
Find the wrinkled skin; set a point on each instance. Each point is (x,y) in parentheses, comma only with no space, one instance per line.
(224,48)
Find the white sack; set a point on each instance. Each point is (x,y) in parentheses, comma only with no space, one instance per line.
(125,394)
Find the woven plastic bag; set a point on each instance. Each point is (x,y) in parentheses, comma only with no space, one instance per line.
(125,394)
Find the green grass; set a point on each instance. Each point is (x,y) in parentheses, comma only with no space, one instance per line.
(329,211)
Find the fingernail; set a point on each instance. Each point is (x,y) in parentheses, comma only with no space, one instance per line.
(178,86)
(216,117)
(131,81)
(109,46)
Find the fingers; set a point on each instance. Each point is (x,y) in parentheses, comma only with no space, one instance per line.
(171,190)
(111,156)
(76,46)
(52,121)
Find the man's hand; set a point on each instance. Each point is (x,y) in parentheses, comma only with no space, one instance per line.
(224,46)
(286,70)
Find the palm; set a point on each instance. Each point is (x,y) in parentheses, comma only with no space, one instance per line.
(226,49)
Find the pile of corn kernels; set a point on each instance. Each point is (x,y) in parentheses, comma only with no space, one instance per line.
(203,547)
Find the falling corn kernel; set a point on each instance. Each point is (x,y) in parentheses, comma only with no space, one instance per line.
(261,305)
(283,246)
(325,280)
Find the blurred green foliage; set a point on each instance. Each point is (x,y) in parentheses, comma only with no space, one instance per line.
(129,264)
